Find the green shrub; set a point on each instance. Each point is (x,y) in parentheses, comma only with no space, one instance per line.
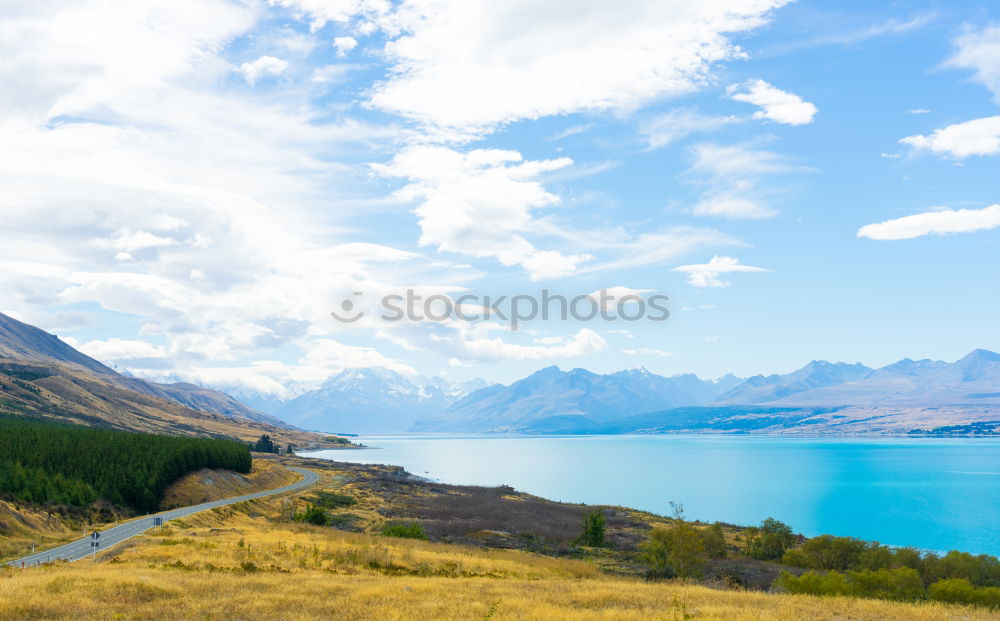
(961,591)
(313,515)
(592,530)
(332,500)
(408,530)
(674,552)
(903,584)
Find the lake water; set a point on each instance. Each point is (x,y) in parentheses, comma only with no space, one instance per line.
(936,494)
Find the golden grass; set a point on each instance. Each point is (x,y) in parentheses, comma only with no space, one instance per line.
(206,485)
(241,562)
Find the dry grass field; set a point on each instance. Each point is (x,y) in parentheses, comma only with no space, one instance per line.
(250,562)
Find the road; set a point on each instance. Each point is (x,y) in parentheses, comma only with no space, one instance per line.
(82,548)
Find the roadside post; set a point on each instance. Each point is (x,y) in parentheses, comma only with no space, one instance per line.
(95,542)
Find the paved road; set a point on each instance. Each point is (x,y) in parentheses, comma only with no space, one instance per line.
(82,548)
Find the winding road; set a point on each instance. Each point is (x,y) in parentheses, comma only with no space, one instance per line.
(82,548)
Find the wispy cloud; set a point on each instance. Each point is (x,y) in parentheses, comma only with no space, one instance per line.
(938,222)
(734,178)
(675,125)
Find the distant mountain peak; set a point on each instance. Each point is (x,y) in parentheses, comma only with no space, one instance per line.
(980,355)
(551,400)
(373,400)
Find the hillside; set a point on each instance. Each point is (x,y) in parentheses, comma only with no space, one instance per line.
(44,377)
(20,342)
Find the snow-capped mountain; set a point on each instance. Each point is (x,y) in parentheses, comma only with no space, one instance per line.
(372,400)
(552,400)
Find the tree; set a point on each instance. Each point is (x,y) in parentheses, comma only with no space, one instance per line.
(593,529)
(714,540)
(675,552)
(828,552)
(265,445)
(770,541)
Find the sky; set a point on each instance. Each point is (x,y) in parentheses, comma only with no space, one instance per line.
(189,188)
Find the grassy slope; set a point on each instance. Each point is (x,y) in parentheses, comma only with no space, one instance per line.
(22,526)
(248,562)
(69,394)
(207,485)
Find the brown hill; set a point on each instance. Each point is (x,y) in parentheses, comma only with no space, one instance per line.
(42,376)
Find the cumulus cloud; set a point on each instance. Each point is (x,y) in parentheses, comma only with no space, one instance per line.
(344,45)
(215,218)
(940,222)
(322,12)
(479,203)
(707,274)
(210,195)
(979,51)
(675,125)
(457,65)
(263,66)
(777,105)
(976,137)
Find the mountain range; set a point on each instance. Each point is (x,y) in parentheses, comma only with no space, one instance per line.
(44,376)
(552,400)
(906,397)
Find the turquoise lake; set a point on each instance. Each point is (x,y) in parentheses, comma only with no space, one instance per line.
(936,494)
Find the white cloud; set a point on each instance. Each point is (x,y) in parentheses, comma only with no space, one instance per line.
(941,222)
(627,251)
(979,50)
(472,66)
(975,137)
(668,128)
(571,131)
(263,66)
(918,111)
(127,241)
(465,341)
(707,274)
(647,351)
(218,200)
(338,11)
(134,354)
(344,45)
(777,105)
(734,178)
(480,204)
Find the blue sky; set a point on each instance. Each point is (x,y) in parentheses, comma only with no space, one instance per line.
(191,187)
